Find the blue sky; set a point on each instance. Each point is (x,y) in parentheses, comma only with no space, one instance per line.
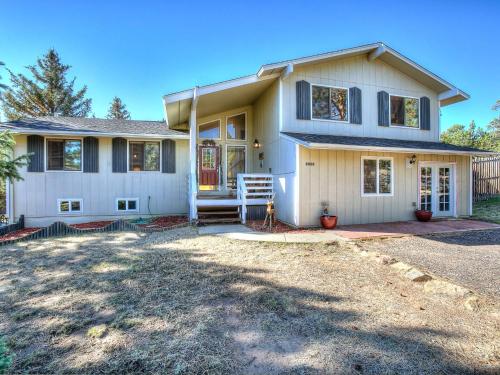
(141,50)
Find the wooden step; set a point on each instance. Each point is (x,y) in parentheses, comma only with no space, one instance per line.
(219,220)
(208,213)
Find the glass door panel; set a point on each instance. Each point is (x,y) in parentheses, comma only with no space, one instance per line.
(444,191)
(426,188)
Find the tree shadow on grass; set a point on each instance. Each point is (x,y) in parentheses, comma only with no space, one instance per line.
(170,310)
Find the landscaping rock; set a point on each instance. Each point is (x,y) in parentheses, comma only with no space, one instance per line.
(472,303)
(445,288)
(401,267)
(417,275)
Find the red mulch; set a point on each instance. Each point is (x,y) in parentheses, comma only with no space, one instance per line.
(91,225)
(165,222)
(18,234)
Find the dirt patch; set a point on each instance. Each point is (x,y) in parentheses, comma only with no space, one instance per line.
(165,222)
(278,227)
(173,302)
(91,225)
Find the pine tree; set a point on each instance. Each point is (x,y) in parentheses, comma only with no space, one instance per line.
(118,110)
(9,164)
(2,86)
(49,93)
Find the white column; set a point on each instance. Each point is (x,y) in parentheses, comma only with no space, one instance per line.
(193,183)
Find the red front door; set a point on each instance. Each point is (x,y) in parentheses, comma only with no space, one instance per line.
(208,167)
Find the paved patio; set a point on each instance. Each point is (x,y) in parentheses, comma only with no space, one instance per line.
(406,228)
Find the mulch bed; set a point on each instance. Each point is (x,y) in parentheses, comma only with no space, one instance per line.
(18,234)
(91,225)
(165,222)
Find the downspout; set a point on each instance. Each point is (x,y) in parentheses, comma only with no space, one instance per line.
(193,184)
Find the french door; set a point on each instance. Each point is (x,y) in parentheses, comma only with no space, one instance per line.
(437,188)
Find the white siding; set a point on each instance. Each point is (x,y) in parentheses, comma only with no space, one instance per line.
(335,178)
(370,77)
(36,196)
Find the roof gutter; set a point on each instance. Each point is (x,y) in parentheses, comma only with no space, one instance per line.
(98,134)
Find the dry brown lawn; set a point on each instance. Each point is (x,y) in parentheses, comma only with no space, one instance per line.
(177,303)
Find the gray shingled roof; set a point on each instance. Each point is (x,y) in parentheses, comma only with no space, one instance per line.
(90,125)
(380,143)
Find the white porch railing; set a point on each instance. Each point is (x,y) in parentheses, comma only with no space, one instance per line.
(253,189)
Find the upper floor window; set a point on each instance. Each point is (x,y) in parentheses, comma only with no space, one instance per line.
(329,103)
(64,154)
(210,130)
(236,127)
(404,111)
(144,156)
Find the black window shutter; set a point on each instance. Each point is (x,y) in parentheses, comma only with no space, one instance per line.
(383,108)
(90,155)
(168,156)
(36,147)
(303,93)
(425,113)
(119,146)
(355,105)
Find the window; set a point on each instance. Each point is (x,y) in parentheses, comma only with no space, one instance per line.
(236,127)
(127,204)
(68,206)
(235,164)
(210,130)
(376,176)
(208,158)
(144,156)
(404,111)
(64,154)
(426,188)
(329,103)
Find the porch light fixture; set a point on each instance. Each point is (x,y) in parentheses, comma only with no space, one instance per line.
(413,159)
(256,143)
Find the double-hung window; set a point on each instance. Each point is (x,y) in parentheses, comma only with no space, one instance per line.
(329,103)
(64,155)
(377,176)
(144,156)
(404,111)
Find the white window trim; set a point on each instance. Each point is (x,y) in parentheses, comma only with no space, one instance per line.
(347,120)
(377,194)
(246,162)
(127,200)
(70,212)
(404,126)
(139,141)
(46,156)
(208,122)
(246,127)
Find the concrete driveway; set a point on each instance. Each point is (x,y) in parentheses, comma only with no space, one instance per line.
(470,259)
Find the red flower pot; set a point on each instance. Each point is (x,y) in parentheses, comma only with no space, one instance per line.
(328,221)
(423,215)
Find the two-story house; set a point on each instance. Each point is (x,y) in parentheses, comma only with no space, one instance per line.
(356,129)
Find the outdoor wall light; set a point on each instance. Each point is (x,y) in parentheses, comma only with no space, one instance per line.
(256,143)
(413,159)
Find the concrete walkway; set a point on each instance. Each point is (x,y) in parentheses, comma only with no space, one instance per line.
(242,232)
(346,233)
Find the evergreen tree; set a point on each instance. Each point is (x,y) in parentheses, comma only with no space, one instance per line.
(49,93)
(9,164)
(118,110)
(2,86)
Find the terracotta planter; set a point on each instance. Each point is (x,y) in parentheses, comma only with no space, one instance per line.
(328,221)
(423,215)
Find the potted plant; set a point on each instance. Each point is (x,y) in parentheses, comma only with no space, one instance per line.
(423,215)
(327,221)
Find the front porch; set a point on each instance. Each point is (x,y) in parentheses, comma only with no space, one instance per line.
(252,189)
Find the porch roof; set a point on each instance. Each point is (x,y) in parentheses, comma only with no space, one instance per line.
(325,141)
